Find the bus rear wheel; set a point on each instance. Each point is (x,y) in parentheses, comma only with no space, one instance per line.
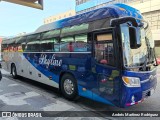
(69,87)
(14,71)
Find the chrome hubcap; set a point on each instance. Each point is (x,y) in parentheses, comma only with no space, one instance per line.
(68,86)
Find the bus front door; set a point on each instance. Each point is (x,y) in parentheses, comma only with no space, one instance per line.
(106,74)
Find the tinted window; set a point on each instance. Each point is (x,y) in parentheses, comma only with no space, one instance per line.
(104,52)
(77,29)
(32,46)
(66,44)
(33,43)
(21,43)
(81,44)
(51,34)
(4,47)
(50,45)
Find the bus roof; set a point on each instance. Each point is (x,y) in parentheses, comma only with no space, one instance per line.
(109,11)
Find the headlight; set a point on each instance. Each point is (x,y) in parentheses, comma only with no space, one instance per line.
(131,81)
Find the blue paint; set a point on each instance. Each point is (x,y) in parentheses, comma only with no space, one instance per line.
(127,93)
(110,11)
(89,94)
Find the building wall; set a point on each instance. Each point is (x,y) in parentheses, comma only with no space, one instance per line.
(59,16)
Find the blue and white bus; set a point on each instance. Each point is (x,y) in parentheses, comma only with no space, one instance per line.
(105,55)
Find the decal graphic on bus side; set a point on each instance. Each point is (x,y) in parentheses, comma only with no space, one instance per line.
(52,61)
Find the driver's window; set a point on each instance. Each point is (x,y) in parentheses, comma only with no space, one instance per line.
(104,52)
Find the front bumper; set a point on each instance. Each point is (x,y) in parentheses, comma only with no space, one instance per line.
(134,95)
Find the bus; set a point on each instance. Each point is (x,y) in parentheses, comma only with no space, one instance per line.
(105,55)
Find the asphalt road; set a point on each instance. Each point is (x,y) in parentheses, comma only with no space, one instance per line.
(23,95)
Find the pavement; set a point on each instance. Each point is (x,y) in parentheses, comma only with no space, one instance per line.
(25,96)
(22,96)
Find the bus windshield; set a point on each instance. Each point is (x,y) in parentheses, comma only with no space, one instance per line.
(139,56)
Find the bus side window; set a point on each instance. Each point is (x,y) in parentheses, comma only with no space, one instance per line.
(49,45)
(66,44)
(104,52)
(15,47)
(4,47)
(33,43)
(32,46)
(11,47)
(81,44)
(23,45)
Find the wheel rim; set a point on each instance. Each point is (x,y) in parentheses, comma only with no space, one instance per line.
(68,86)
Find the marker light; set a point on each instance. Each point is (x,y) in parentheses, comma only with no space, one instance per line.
(131,81)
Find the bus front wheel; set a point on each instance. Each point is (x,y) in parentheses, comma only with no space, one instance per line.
(69,87)
(14,71)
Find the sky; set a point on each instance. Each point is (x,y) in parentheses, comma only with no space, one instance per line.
(15,19)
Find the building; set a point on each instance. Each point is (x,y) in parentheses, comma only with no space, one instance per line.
(59,16)
(150,9)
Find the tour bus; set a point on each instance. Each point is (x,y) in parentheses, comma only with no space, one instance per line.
(106,55)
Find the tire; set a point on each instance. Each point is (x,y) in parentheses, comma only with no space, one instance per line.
(14,71)
(69,87)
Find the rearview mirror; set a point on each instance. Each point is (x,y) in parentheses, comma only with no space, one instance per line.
(135,40)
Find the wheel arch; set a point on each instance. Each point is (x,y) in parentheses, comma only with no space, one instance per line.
(12,64)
